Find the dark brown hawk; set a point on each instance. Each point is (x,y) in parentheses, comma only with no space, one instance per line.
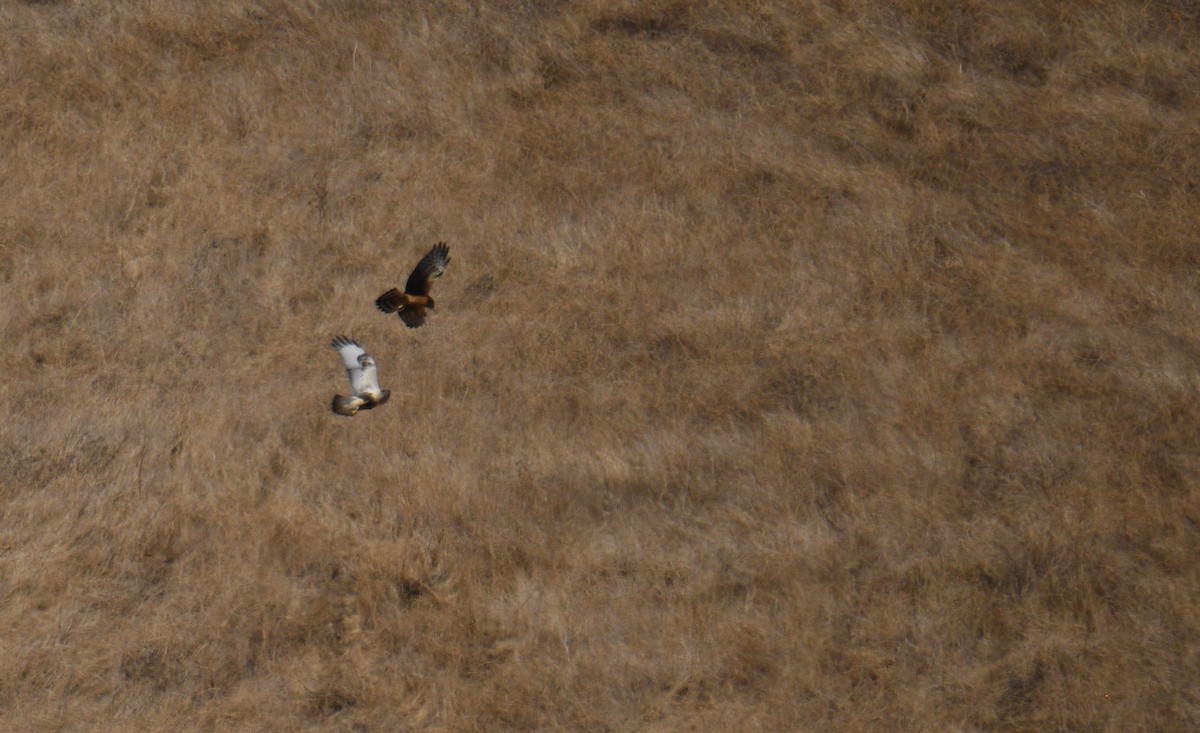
(412,304)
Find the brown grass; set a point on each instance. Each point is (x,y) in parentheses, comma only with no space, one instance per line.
(817,365)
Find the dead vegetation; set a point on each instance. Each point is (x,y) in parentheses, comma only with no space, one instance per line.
(802,366)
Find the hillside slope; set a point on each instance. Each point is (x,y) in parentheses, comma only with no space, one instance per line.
(800,366)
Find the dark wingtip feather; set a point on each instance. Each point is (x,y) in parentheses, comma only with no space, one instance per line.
(431,267)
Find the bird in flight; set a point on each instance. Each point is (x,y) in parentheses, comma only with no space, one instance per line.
(364,379)
(412,304)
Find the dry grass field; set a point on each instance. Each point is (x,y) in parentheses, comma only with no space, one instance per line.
(802,365)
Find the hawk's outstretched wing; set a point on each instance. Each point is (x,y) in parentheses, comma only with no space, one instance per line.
(350,351)
(430,268)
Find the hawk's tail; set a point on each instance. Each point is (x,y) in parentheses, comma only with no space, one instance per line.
(344,405)
(390,301)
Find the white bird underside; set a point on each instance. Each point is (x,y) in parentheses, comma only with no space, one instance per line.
(364,378)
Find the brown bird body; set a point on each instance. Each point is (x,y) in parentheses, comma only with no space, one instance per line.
(413,304)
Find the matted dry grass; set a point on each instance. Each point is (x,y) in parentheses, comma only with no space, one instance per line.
(800,366)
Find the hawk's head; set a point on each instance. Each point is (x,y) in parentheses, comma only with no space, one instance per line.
(366,360)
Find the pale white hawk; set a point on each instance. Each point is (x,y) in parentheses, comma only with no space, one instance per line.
(365,392)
